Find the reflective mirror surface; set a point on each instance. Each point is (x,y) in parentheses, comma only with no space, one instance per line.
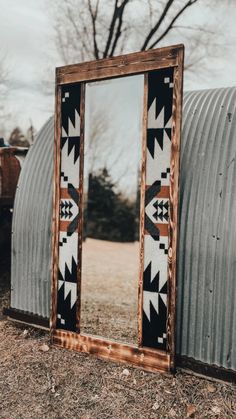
(111,207)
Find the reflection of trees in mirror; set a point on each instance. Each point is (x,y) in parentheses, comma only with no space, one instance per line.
(110,251)
(100,129)
(100,148)
(110,260)
(112,135)
(108,214)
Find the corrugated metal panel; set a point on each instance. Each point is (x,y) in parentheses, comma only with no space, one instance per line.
(206,326)
(31,240)
(206,309)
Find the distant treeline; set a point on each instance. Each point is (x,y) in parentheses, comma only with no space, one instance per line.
(108,215)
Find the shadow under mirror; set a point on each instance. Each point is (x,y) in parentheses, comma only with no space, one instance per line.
(111,207)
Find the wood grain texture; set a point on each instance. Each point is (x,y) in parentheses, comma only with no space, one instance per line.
(135,63)
(80,220)
(56,203)
(174,198)
(149,359)
(142,62)
(142,209)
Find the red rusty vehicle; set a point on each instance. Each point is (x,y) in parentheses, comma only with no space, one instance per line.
(10,166)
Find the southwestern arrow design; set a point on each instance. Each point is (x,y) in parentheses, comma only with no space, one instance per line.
(69,210)
(156,224)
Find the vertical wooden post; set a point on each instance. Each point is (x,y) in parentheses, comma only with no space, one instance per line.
(142,209)
(174,198)
(56,203)
(80,220)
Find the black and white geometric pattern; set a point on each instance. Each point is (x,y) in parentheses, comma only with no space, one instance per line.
(155,277)
(162,210)
(69,211)
(160,98)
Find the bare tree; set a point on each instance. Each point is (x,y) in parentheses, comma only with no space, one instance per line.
(4,73)
(93,29)
(18,139)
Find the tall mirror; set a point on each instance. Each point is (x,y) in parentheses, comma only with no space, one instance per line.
(111,208)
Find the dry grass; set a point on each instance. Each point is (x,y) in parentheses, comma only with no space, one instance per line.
(60,384)
(63,384)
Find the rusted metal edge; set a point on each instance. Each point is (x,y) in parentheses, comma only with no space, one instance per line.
(135,63)
(146,358)
(203,369)
(25,317)
(13,150)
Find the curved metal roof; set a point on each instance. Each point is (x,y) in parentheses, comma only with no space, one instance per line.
(206,324)
(206,309)
(31,230)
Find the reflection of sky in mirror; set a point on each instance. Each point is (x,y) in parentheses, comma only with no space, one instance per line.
(113,127)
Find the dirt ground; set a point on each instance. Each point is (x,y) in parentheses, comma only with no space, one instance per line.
(42,382)
(109,303)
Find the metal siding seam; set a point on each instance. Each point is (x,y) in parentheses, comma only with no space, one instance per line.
(205,263)
(25,256)
(206,320)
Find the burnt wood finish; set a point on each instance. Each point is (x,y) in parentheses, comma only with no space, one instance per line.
(56,198)
(80,224)
(150,359)
(142,62)
(174,195)
(135,63)
(142,212)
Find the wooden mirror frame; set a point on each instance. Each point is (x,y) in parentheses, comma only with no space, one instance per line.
(74,78)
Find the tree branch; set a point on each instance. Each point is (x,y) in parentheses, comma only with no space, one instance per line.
(119,26)
(171,24)
(117,15)
(157,25)
(111,30)
(93,15)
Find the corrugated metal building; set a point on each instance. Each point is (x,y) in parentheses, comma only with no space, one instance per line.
(206,309)
(31,238)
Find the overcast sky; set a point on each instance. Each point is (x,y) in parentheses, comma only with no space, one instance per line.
(26,36)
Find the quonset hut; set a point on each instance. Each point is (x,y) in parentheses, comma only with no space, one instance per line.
(206,309)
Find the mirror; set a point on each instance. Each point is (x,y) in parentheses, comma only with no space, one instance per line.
(111,207)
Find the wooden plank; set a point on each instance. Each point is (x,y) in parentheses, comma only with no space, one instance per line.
(135,63)
(80,221)
(56,202)
(149,359)
(142,210)
(174,197)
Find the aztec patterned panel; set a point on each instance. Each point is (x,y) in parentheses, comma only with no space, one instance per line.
(69,211)
(155,277)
